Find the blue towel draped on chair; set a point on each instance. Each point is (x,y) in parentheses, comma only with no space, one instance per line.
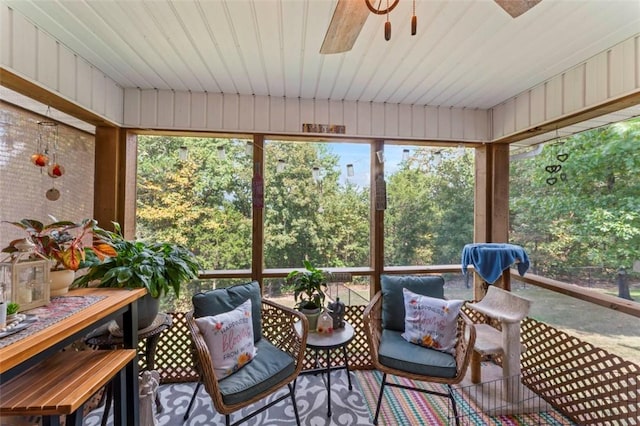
(490,259)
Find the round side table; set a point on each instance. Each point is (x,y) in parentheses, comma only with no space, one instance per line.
(109,336)
(338,339)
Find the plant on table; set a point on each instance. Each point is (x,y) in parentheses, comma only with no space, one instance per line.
(308,286)
(62,242)
(160,267)
(12,308)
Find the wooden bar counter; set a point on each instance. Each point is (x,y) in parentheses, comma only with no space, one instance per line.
(23,354)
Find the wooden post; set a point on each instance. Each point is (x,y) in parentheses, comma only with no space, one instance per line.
(500,204)
(114,196)
(482,210)
(491,215)
(257,255)
(377,221)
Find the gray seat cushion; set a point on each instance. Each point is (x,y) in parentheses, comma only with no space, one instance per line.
(395,352)
(221,300)
(393,312)
(270,366)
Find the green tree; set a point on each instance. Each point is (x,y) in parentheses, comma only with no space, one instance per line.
(585,214)
(430,214)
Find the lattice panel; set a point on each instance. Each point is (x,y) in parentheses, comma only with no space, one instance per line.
(173,355)
(587,384)
(175,364)
(357,349)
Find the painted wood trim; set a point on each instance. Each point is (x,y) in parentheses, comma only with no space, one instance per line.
(54,100)
(605,80)
(41,61)
(160,109)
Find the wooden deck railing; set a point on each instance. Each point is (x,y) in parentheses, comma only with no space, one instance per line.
(586,383)
(612,302)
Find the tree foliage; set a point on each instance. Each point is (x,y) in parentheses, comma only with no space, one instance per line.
(589,215)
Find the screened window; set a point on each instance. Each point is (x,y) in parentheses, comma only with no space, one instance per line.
(316,207)
(197,192)
(429,215)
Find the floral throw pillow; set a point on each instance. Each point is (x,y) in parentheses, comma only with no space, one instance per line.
(430,322)
(229,338)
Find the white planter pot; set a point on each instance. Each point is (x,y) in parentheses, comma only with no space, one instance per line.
(60,281)
(312,316)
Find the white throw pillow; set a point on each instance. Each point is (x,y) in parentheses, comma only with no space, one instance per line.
(430,322)
(229,338)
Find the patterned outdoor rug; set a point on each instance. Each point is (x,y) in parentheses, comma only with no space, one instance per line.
(402,407)
(350,408)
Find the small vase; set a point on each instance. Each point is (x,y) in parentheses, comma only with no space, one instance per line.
(60,282)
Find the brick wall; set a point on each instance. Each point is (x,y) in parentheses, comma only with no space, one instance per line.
(23,185)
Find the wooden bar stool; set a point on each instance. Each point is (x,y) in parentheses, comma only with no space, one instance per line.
(62,384)
(109,337)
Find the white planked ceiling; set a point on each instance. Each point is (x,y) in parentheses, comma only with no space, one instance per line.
(467,53)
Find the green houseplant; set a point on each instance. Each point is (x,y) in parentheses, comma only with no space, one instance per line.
(308,291)
(159,267)
(64,243)
(12,308)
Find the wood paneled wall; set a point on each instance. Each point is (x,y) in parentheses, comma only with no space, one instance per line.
(610,75)
(33,55)
(163,109)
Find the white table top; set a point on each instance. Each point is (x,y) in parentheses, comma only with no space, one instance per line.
(336,339)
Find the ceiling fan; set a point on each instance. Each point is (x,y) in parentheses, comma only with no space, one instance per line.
(350,15)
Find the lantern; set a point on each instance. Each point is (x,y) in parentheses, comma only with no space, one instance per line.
(25,281)
(325,323)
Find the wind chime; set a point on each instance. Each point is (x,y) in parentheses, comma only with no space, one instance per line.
(46,155)
(553,169)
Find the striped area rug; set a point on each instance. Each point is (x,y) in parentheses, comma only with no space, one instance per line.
(401,407)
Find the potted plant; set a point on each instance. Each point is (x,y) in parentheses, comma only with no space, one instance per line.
(12,311)
(62,242)
(159,267)
(308,291)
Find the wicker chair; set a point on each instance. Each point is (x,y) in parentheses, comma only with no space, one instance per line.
(276,339)
(407,359)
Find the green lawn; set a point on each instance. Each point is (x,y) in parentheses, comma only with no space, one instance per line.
(613,331)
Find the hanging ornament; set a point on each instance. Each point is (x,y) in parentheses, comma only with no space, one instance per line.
(40,159)
(47,137)
(55,169)
(53,194)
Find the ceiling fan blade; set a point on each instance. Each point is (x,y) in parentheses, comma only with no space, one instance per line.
(346,23)
(516,8)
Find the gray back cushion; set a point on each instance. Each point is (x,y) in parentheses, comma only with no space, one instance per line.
(393,301)
(221,300)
